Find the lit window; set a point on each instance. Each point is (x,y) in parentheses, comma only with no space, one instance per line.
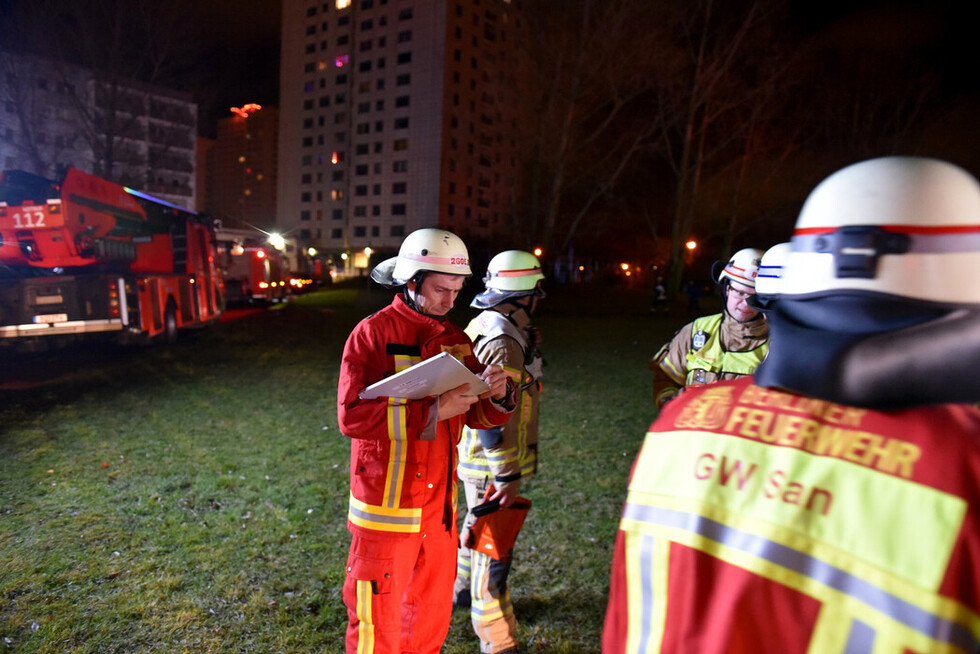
(340,61)
(336,157)
(343,4)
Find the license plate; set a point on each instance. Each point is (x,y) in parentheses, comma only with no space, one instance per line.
(50,317)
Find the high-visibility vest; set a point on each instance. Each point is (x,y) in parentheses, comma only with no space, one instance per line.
(761,521)
(707,361)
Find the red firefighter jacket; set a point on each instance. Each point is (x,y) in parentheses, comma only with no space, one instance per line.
(762,521)
(403,461)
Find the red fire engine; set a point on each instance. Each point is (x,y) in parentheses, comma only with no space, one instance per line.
(87,255)
(253,270)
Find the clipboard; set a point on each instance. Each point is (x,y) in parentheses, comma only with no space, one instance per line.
(434,376)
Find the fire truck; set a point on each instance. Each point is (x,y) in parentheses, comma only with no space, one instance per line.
(253,269)
(84,256)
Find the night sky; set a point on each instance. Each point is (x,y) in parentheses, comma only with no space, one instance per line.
(229,51)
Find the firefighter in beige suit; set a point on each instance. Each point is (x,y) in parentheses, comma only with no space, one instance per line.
(500,456)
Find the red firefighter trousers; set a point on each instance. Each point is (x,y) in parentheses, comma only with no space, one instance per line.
(398,591)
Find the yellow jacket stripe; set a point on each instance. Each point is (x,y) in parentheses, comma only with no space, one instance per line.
(398,435)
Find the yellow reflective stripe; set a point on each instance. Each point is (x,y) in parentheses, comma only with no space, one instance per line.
(397,433)
(365,621)
(514,373)
(646,575)
(500,457)
(382,518)
(672,371)
(830,631)
(879,583)
(524,408)
(786,486)
(403,361)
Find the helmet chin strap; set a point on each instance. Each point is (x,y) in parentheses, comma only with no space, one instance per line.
(409,296)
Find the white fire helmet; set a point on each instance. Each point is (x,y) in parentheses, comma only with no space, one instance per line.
(511,274)
(513,270)
(429,249)
(771,269)
(743,267)
(907,227)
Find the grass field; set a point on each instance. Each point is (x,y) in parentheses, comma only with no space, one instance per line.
(194,498)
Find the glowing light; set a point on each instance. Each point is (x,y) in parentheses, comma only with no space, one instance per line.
(246,109)
(368,251)
(340,61)
(238,249)
(277,241)
(625,266)
(260,254)
(538,252)
(690,245)
(311,252)
(263,285)
(343,256)
(343,4)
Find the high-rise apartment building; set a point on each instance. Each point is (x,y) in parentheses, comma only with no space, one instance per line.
(242,162)
(54,114)
(396,115)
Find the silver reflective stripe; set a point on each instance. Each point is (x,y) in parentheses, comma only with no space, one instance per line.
(918,243)
(647,546)
(861,639)
(820,571)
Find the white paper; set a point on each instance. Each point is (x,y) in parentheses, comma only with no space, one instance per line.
(434,376)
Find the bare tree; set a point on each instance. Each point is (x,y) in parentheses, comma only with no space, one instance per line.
(591,82)
(716,87)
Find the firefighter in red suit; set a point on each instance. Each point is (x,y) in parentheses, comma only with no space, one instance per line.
(832,503)
(402,515)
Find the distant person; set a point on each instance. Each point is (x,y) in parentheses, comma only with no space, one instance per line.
(724,345)
(832,504)
(659,302)
(402,516)
(501,457)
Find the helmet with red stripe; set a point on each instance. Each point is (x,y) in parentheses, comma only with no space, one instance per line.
(743,267)
(903,226)
(510,274)
(424,250)
(878,304)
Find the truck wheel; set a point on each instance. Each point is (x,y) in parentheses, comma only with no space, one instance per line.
(170,323)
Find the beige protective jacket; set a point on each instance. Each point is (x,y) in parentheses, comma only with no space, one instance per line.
(508,453)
